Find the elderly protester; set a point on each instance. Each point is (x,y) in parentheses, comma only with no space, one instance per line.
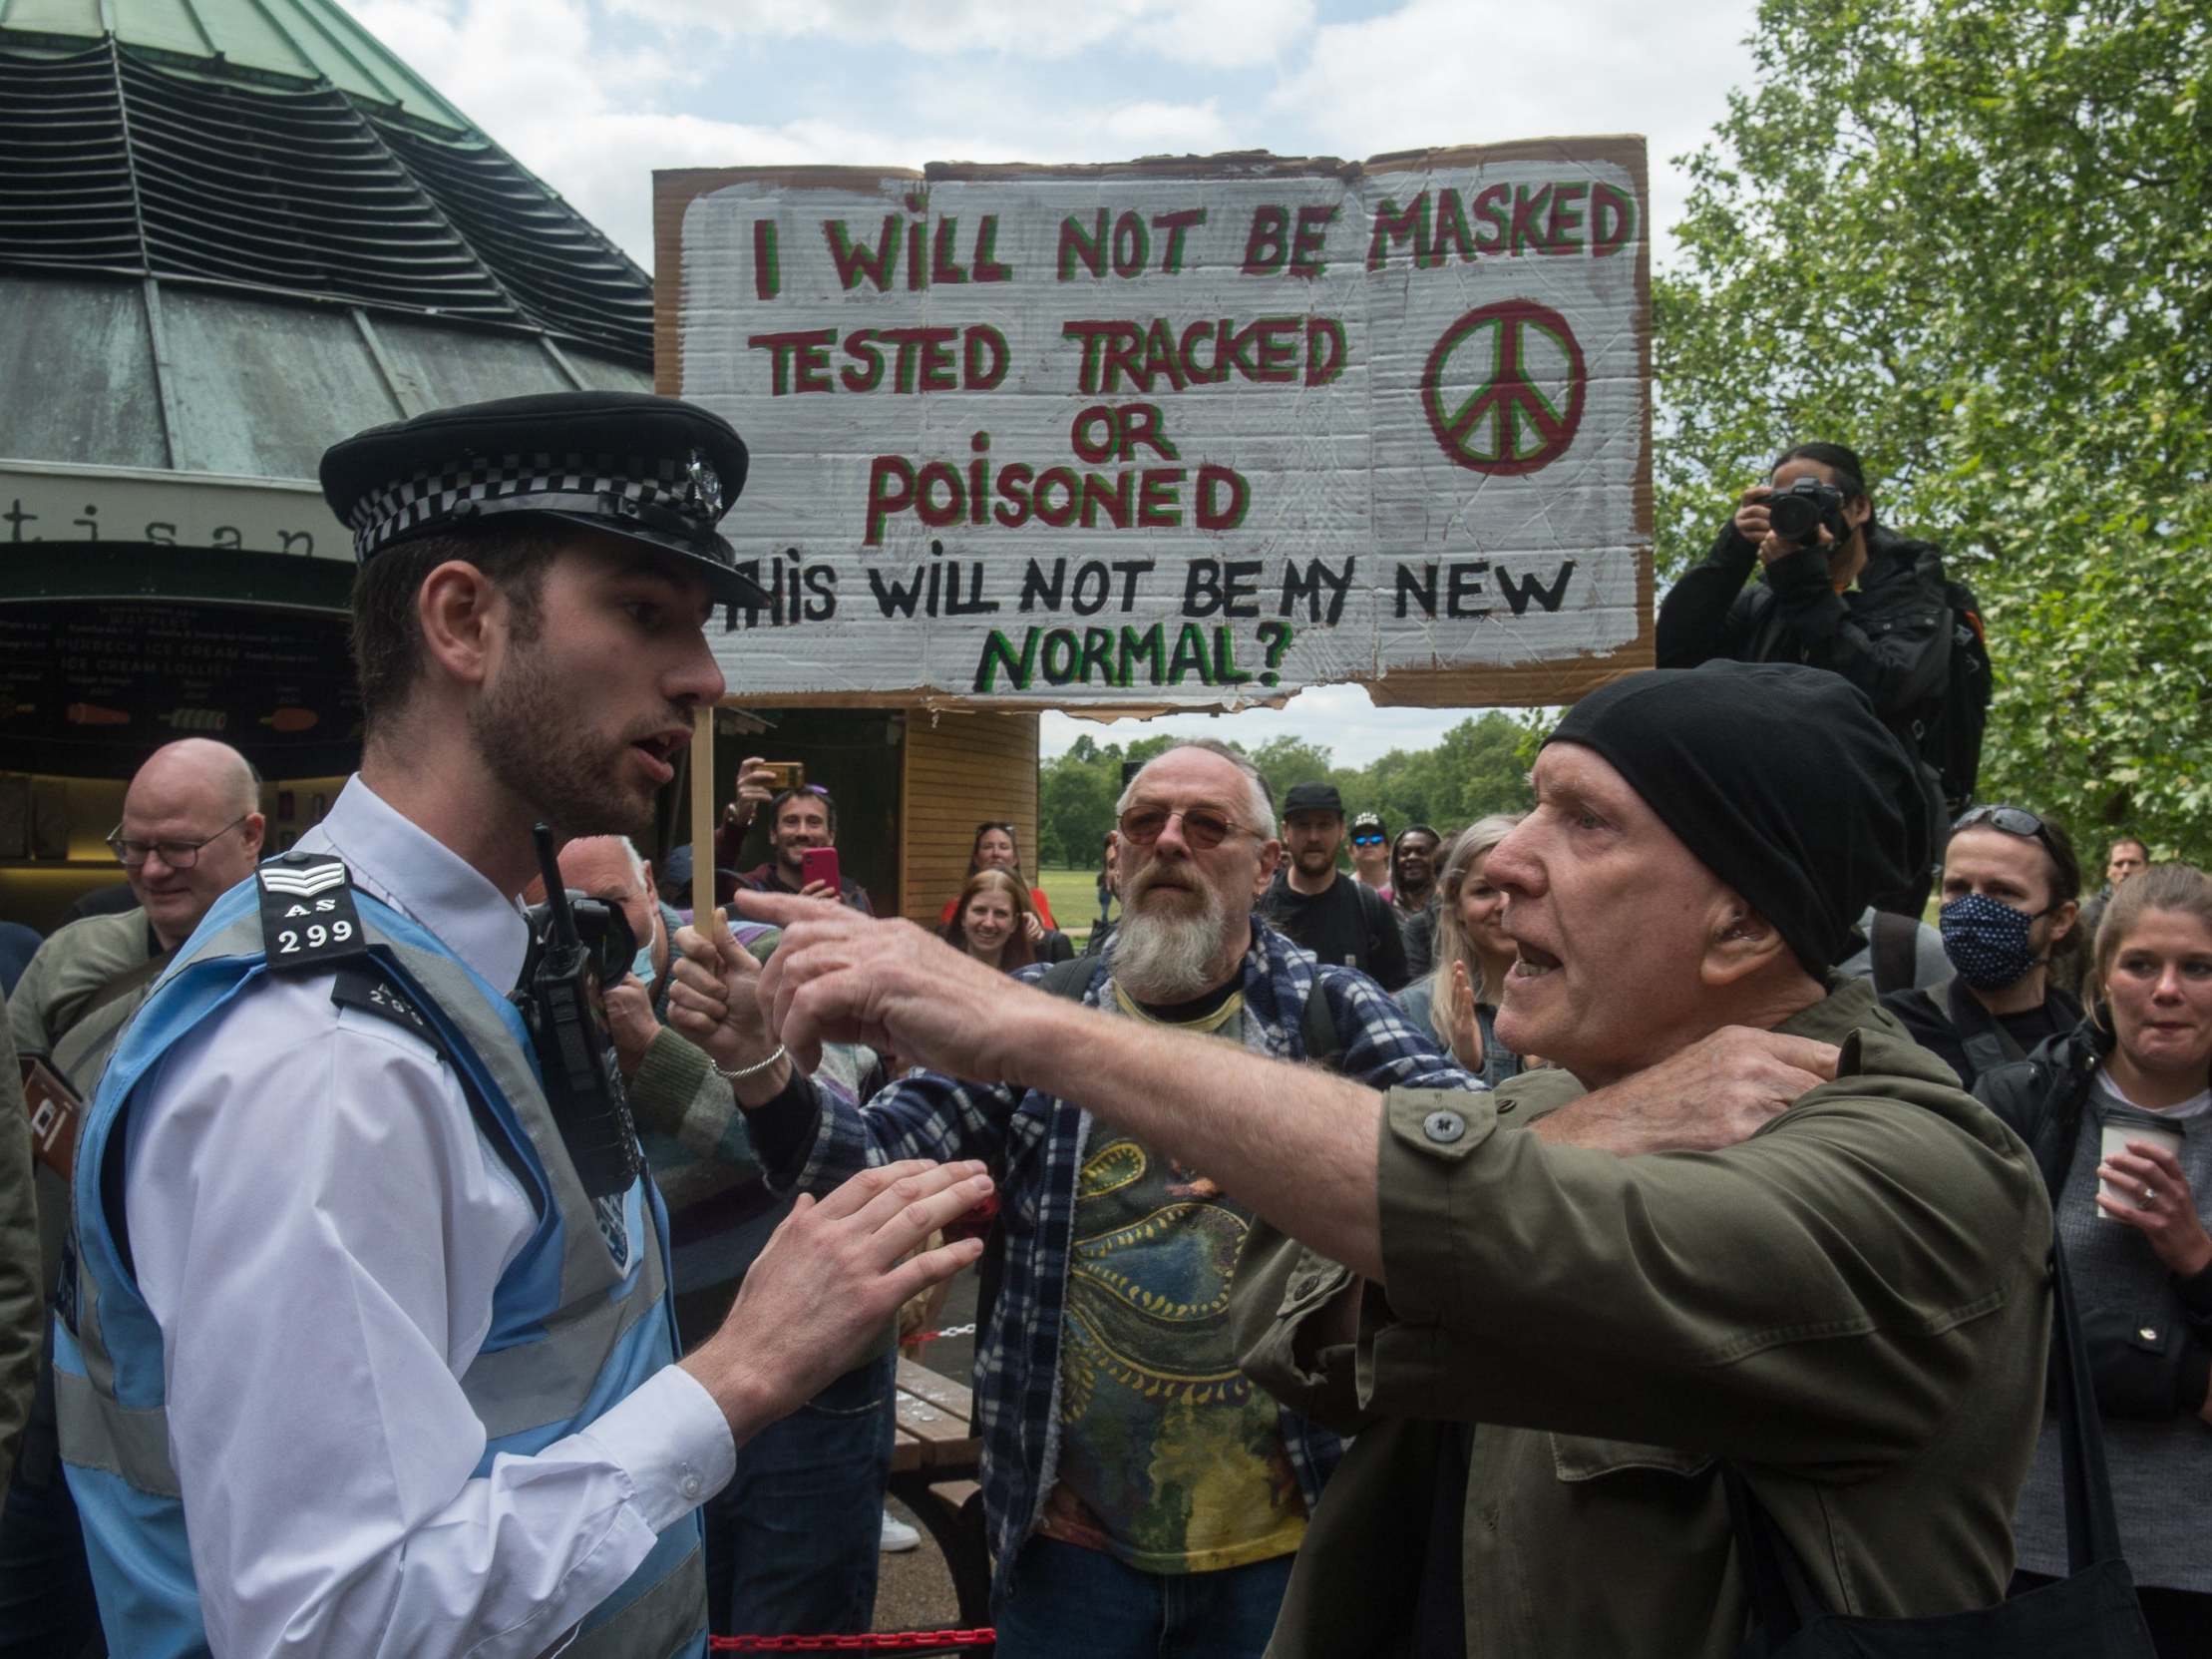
(1554,1339)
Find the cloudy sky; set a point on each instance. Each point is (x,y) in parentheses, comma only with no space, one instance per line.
(593,95)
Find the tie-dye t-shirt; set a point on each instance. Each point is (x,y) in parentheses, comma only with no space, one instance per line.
(1170,1458)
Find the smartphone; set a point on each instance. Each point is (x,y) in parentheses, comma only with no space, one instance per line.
(789,774)
(820,864)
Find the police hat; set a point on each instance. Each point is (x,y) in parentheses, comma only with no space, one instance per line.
(653,470)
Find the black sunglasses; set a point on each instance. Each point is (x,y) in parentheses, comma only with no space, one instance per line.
(2013,820)
(1203,827)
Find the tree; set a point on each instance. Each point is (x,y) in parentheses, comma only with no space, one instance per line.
(1076,792)
(1284,762)
(1969,239)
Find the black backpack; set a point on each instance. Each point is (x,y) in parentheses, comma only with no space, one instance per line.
(1950,734)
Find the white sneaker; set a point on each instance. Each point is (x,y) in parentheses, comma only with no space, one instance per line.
(899,1538)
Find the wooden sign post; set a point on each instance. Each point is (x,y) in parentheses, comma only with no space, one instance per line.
(704,916)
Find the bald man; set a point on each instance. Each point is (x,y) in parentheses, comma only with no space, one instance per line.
(192,829)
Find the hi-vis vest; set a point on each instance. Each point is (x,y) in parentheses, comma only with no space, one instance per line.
(571,1334)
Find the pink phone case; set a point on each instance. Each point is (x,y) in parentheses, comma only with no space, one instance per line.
(820,864)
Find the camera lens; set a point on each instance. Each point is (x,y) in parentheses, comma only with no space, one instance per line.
(1795,518)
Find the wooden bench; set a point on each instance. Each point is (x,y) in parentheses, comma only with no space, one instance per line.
(935,1462)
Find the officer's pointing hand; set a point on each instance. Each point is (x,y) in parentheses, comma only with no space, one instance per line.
(714,999)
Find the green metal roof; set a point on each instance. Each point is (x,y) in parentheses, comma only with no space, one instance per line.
(301,40)
(126,159)
(232,231)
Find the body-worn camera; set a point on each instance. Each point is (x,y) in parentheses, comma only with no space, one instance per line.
(1806,507)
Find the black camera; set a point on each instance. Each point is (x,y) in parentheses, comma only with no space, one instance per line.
(559,1001)
(601,929)
(1806,506)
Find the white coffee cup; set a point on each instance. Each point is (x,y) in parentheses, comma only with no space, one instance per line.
(2113,1135)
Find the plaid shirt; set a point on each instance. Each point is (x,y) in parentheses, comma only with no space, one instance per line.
(1034,1144)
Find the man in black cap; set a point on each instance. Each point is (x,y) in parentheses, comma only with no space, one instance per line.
(1344,923)
(1552,1336)
(368,1346)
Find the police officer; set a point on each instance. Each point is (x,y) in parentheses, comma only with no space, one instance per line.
(367,1346)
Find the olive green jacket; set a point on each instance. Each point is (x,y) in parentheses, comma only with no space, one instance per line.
(47,1014)
(67,973)
(1850,1305)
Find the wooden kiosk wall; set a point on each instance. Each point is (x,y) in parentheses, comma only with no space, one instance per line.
(960,770)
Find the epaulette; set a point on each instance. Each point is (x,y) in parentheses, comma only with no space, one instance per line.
(366,987)
(307,914)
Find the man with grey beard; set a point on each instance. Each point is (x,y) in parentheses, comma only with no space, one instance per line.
(1135,1485)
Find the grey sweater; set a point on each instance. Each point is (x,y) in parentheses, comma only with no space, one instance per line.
(2161,1469)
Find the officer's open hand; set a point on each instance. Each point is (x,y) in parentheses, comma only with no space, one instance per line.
(1718,1091)
(841,977)
(819,1299)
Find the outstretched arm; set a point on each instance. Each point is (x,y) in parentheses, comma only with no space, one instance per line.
(1298,1143)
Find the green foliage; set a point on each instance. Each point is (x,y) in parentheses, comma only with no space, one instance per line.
(1480,765)
(1973,238)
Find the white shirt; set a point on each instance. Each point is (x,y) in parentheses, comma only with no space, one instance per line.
(318,1226)
(2195,1107)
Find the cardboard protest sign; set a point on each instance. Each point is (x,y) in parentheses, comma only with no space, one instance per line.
(1178,433)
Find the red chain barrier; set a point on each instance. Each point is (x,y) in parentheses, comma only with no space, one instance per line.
(923,1337)
(906,1641)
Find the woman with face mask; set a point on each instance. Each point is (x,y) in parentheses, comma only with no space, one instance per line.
(2009,884)
(1458,997)
(2118,1113)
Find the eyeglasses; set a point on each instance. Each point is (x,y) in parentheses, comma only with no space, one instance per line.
(1203,827)
(1366,840)
(178,855)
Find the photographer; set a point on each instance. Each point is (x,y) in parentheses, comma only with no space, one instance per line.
(1839,591)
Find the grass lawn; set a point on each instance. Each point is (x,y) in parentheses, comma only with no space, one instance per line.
(1074,898)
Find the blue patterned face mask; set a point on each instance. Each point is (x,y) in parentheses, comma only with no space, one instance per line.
(1986,940)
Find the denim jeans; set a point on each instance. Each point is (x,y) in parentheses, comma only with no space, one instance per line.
(47,1610)
(792,1540)
(1068,1602)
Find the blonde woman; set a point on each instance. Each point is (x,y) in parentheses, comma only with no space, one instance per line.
(2118,1113)
(1459,998)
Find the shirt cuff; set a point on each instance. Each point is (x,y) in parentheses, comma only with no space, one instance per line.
(672,1440)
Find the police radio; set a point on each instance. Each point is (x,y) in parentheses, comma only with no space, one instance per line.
(559,1003)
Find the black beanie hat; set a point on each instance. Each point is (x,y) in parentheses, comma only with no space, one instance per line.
(1777,778)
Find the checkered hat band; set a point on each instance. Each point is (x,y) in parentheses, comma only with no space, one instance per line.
(410,503)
